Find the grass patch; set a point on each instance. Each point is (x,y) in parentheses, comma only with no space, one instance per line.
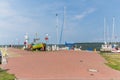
(6,76)
(113,60)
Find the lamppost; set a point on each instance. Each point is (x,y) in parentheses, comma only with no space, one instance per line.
(56,46)
(46,39)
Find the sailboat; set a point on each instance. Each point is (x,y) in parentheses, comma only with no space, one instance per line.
(115,47)
(106,47)
(116,50)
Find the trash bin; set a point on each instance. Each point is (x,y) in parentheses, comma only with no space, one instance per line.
(0,57)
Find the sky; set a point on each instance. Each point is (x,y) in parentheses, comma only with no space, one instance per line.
(83,19)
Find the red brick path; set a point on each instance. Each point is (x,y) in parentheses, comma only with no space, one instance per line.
(59,65)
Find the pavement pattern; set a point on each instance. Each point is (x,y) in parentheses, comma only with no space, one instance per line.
(58,65)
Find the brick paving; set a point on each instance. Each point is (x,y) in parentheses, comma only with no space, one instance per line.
(59,65)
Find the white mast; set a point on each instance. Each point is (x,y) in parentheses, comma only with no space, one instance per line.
(113,32)
(104,30)
(57,28)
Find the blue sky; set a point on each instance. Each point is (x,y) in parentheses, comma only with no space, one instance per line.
(84,20)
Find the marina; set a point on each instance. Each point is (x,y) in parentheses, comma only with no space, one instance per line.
(59,40)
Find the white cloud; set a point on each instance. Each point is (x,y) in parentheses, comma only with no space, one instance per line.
(10,18)
(85,13)
(11,22)
(5,9)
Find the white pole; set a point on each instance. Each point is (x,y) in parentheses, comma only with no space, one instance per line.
(104,30)
(57,28)
(113,32)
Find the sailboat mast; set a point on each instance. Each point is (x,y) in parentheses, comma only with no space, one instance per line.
(104,30)
(113,30)
(62,25)
(57,28)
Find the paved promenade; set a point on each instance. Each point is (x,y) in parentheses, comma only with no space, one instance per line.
(59,65)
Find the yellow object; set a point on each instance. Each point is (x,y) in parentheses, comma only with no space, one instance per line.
(3,51)
(95,49)
(38,46)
